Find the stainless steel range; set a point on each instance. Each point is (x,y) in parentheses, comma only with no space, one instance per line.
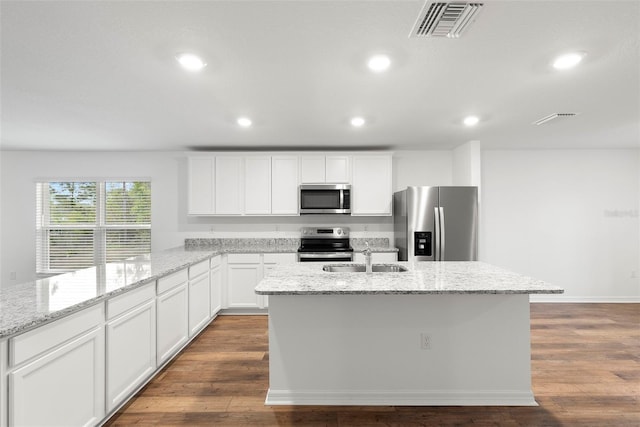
(325,244)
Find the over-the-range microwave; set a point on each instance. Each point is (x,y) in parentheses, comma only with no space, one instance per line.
(325,199)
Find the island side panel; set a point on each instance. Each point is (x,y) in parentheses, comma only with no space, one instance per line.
(367,349)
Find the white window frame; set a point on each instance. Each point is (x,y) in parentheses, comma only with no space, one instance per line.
(99,228)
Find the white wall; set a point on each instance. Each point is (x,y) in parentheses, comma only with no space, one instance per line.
(422,168)
(170,224)
(567,217)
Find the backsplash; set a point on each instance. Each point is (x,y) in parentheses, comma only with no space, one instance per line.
(196,243)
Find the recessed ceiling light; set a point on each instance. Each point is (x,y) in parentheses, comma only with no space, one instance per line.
(379,63)
(245,122)
(357,122)
(191,62)
(566,61)
(471,120)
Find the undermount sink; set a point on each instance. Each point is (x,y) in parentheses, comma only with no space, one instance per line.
(360,268)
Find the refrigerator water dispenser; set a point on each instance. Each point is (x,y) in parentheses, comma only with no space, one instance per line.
(422,243)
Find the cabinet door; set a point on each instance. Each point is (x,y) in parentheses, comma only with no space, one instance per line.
(242,280)
(201,186)
(199,299)
(371,189)
(172,322)
(64,387)
(284,185)
(312,169)
(131,351)
(257,180)
(215,281)
(228,185)
(337,169)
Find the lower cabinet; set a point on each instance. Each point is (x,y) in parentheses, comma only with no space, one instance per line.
(215,284)
(64,385)
(172,315)
(199,298)
(131,342)
(244,271)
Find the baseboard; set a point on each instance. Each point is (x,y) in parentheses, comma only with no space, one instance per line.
(244,311)
(401,398)
(577,299)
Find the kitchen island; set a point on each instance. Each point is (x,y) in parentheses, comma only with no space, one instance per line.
(441,333)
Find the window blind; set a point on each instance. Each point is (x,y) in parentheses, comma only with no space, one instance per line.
(81,223)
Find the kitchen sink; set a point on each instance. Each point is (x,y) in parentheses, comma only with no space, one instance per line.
(360,268)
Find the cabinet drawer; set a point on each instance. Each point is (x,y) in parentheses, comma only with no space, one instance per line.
(122,303)
(172,280)
(216,261)
(32,343)
(198,269)
(280,258)
(243,258)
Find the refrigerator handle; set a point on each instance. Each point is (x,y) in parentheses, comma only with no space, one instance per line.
(442,229)
(436,255)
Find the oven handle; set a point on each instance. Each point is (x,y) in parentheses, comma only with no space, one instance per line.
(325,255)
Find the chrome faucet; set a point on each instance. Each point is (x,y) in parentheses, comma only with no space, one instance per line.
(367,258)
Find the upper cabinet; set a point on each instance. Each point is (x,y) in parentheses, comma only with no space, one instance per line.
(228,185)
(243,185)
(284,185)
(201,185)
(268,184)
(257,178)
(325,169)
(371,185)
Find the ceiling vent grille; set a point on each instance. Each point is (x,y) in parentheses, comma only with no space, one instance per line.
(439,19)
(553,117)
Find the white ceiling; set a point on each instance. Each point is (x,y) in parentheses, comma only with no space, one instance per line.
(103,75)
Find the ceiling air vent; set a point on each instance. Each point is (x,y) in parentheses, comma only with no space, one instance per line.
(440,19)
(553,117)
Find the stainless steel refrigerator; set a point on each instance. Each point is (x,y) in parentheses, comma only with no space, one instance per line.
(436,223)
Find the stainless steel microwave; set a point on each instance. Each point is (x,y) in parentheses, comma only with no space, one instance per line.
(325,199)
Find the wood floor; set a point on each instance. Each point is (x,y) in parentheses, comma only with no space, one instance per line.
(585,372)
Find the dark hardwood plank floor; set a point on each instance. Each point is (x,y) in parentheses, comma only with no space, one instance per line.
(585,372)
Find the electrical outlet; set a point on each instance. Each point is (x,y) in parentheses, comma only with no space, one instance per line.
(425,341)
(634,274)
(12,275)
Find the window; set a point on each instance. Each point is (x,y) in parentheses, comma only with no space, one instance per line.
(85,223)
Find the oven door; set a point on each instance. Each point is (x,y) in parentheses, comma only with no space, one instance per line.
(325,256)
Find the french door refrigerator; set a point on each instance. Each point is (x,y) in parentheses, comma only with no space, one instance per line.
(436,223)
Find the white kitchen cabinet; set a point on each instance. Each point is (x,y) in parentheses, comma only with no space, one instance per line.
(131,342)
(4,358)
(337,169)
(312,169)
(257,178)
(215,283)
(199,297)
(371,186)
(59,374)
(284,185)
(376,257)
(201,186)
(318,169)
(244,271)
(228,185)
(172,308)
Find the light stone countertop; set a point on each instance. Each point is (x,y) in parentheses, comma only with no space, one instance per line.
(444,277)
(29,305)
